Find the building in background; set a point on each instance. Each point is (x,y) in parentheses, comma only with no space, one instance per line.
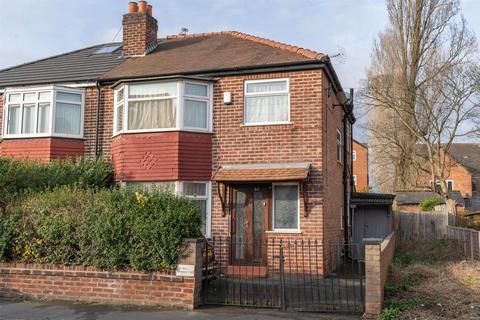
(360,166)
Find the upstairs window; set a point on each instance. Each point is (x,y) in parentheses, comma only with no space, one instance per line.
(49,111)
(163,106)
(339,146)
(354,155)
(267,102)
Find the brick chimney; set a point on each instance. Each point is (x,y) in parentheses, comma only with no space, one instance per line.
(139,29)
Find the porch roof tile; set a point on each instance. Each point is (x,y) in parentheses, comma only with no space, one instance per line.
(262,172)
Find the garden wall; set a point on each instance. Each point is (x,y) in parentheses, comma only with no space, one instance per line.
(179,289)
(378,257)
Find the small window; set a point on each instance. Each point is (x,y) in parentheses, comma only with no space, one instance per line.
(267,102)
(354,155)
(449,184)
(339,146)
(354,177)
(108,49)
(285,207)
(342,218)
(198,193)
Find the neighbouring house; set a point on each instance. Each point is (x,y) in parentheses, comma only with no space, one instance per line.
(411,200)
(360,166)
(254,131)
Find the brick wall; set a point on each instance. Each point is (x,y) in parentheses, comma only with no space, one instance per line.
(378,257)
(44,149)
(312,119)
(360,167)
(77,283)
(139,33)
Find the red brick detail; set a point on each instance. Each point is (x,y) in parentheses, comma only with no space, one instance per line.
(378,257)
(360,166)
(139,33)
(162,156)
(310,137)
(44,149)
(245,36)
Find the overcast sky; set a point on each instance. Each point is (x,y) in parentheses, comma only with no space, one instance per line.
(33,29)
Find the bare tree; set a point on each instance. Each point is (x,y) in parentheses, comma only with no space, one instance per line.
(421,89)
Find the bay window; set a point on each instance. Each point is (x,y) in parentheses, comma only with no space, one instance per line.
(41,112)
(267,102)
(163,106)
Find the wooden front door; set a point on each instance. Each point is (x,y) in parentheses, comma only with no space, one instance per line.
(251,206)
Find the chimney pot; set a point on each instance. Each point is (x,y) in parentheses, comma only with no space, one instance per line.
(132,7)
(142,6)
(150,10)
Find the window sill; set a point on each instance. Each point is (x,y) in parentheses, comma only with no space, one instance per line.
(160,131)
(265,124)
(284,231)
(42,137)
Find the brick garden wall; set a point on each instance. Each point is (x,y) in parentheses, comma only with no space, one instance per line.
(378,257)
(77,283)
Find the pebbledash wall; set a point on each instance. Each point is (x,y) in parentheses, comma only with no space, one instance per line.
(304,139)
(178,289)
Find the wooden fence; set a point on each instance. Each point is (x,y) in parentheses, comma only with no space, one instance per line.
(420,225)
(435,225)
(469,239)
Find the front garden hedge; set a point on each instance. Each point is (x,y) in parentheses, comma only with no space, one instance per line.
(108,228)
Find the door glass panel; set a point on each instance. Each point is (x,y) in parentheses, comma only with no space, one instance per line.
(258,205)
(240,224)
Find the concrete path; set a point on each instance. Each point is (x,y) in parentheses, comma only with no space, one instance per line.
(30,310)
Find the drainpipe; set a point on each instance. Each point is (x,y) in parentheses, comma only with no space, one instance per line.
(346,172)
(97,119)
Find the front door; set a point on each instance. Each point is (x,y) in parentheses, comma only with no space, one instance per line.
(249,222)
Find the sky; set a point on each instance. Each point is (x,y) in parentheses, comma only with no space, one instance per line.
(35,29)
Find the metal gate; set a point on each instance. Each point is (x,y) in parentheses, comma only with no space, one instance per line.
(289,277)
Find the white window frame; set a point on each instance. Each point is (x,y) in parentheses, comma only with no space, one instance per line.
(292,230)
(53,90)
(354,179)
(339,146)
(451,181)
(257,94)
(180,97)
(207,197)
(354,155)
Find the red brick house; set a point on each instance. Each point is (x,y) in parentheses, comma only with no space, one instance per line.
(360,166)
(255,131)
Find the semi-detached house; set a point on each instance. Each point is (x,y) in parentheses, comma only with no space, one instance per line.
(256,132)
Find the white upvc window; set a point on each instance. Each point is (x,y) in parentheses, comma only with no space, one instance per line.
(354,155)
(286,207)
(44,112)
(267,102)
(199,192)
(163,106)
(449,184)
(354,179)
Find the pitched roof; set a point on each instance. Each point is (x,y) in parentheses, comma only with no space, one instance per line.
(468,155)
(76,66)
(415,197)
(366,198)
(196,53)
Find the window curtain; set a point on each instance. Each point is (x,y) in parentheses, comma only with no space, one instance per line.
(28,118)
(153,90)
(154,114)
(195,114)
(67,118)
(267,109)
(14,119)
(262,87)
(43,117)
(286,207)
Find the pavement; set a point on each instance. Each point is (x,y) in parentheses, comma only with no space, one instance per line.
(30,310)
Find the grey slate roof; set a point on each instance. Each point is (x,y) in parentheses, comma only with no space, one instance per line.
(415,197)
(76,66)
(457,196)
(468,155)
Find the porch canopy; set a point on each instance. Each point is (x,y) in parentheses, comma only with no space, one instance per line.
(265,172)
(232,174)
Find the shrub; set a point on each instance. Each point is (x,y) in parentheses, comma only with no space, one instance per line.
(106,228)
(20,176)
(429,204)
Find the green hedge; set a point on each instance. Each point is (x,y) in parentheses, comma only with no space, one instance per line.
(20,176)
(106,228)
(429,204)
